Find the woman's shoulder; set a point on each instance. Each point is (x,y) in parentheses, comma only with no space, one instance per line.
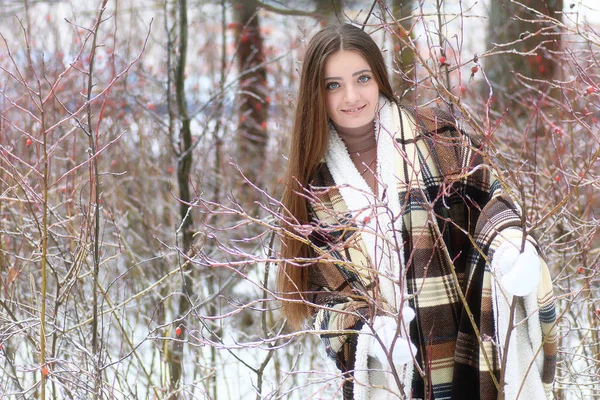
(437,123)
(431,120)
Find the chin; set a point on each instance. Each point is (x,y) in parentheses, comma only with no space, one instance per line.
(353,122)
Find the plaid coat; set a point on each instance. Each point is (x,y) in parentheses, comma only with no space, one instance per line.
(425,241)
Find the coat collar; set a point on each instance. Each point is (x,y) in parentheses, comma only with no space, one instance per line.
(380,216)
(354,189)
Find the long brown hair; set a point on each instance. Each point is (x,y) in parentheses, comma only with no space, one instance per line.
(307,150)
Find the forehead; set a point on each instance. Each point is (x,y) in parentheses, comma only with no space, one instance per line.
(345,62)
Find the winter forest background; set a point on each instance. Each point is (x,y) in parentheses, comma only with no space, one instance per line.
(142,145)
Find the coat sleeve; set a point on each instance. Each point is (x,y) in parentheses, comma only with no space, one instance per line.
(459,159)
(340,282)
(500,223)
(341,310)
(498,220)
(500,226)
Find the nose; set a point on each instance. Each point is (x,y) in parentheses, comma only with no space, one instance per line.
(351,94)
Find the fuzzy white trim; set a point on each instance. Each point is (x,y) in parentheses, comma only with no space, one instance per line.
(373,378)
(380,215)
(519,273)
(523,366)
(361,364)
(382,219)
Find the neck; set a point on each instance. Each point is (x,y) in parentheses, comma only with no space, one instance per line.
(359,139)
(362,147)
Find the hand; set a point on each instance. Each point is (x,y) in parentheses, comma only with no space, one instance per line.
(386,328)
(519,273)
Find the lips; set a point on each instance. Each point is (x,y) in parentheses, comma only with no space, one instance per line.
(354,110)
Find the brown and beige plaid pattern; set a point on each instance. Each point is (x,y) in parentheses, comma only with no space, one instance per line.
(453,212)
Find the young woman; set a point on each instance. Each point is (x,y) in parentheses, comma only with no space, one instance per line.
(401,245)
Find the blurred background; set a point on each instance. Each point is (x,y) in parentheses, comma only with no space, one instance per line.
(142,149)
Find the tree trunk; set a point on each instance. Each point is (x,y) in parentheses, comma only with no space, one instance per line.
(534,39)
(184,165)
(253,101)
(330,12)
(404,57)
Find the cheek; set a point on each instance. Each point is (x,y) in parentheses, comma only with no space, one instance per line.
(330,103)
(374,93)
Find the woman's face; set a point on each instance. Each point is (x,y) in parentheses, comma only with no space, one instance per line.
(351,93)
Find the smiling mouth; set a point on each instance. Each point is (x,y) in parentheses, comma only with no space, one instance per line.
(354,110)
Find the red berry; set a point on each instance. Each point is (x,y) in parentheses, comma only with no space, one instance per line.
(367,220)
(258,106)
(474,69)
(45,370)
(542,69)
(170,170)
(580,270)
(178,331)
(590,90)
(243,119)
(597,311)
(442,60)
(268,100)
(264,125)
(28,142)
(244,38)
(557,179)
(151,106)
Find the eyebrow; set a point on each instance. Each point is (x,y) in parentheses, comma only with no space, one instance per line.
(354,74)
